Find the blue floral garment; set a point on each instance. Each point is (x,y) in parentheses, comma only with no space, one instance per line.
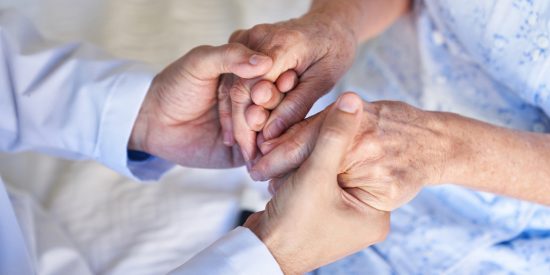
(485,59)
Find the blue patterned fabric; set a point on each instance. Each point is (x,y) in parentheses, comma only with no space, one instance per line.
(485,59)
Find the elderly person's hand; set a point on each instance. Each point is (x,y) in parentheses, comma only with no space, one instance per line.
(316,48)
(179,120)
(312,48)
(397,150)
(400,149)
(312,221)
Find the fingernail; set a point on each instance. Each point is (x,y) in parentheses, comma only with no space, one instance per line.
(348,104)
(257,59)
(248,166)
(266,147)
(228,139)
(245,156)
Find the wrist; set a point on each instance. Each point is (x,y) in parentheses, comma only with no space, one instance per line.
(276,247)
(139,137)
(341,18)
(454,144)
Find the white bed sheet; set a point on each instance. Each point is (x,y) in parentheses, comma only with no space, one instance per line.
(119,226)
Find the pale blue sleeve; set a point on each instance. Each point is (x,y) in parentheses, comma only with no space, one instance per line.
(71,101)
(239,252)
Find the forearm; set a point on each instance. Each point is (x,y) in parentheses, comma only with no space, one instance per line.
(498,160)
(364,18)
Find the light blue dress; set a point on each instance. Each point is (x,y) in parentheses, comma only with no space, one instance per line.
(485,59)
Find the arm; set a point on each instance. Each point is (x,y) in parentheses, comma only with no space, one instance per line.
(402,149)
(497,160)
(69,100)
(75,102)
(366,19)
(238,252)
(319,47)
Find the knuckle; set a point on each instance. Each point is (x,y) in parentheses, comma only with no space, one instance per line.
(224,113)
(231,48)
(277,51)
(374,150)
(239,93)
(283,36)
(223,93)
(258,32)
(393,193)
(236,35)
(295,35)
(194,56)
(296,152)
(228,51)
(201,49)
(223,90)
(260,28)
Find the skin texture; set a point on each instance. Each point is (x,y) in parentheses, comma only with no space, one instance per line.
(310,54)
(178,120)
(400,149)
(327,222)
(311,45)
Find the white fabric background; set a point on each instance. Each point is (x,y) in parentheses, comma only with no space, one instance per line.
(119,226)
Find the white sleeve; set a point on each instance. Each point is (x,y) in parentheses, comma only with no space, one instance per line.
(239,252)
(71,101)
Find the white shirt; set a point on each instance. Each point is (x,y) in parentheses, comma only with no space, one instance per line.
(75,102)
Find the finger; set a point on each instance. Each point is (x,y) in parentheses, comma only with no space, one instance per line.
(256,117)
(296,104)
(337,133)
(239,36)
(266,94)
(224,109)
(243,37)
(286,153)
(209,62)
(287,81)
(285,58)
(260,139)
(243,134)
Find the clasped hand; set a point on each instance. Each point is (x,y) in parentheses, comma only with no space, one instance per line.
(399,148)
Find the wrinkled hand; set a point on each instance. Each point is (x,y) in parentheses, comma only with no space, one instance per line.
(179,120)
(398,150)
(312,221)
(311,53)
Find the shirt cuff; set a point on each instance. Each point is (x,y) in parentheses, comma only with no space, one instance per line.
(238,252)
(118,118)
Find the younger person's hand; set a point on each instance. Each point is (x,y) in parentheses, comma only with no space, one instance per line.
(179,118)
(398,150)
(313,221)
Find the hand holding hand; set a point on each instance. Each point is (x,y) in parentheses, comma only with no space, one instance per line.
(312,221)
(179,119)
(397,151)
(311,53)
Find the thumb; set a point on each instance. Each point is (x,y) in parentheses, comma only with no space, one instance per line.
(209,62)
(337,133)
